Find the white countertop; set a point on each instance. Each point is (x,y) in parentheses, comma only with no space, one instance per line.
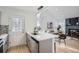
(43,36)
(3,37)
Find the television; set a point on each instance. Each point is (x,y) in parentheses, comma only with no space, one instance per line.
(72,21)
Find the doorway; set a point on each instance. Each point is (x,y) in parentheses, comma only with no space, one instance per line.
(16,31)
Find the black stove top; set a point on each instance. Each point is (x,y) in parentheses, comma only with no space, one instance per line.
(0,39)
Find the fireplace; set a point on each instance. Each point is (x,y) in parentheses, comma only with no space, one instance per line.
(73,33)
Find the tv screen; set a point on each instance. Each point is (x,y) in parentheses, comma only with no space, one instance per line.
(73,21)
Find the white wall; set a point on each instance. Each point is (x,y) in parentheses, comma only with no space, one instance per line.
(58,15)
(30,23)
(7,12)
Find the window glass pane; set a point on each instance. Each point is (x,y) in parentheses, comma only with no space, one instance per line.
(17,24)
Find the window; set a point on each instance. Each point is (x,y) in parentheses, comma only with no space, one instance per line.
(17,24)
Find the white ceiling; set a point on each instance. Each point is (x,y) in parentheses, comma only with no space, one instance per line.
(31,9)
(50,9)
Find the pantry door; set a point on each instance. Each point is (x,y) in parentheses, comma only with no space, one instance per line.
(16,31)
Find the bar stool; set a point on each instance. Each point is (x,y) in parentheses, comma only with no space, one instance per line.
(62,37)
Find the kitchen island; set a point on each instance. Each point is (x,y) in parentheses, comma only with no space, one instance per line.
(41,43)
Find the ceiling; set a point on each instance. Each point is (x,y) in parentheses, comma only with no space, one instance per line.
(31,9)
(52,10)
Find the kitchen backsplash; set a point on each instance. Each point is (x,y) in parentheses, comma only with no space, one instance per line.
(4,29)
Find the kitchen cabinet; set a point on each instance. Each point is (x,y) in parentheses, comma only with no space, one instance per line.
(1,46)
(6,44)
(33,46)
(46,46)
(1,49)
(3,43)
(0,17)
(40,43)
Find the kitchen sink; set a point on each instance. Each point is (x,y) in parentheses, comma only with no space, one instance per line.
(34,33)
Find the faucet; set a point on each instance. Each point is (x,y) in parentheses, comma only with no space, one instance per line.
(36,30)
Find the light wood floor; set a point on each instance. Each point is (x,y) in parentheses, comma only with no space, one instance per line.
(19,49)
(72,46)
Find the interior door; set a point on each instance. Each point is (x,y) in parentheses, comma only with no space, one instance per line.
(16,31)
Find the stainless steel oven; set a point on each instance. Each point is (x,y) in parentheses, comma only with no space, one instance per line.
(1,46)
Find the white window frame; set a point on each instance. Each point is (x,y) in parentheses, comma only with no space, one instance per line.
(17,24)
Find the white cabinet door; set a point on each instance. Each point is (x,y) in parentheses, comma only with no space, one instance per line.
(46,46)
(28,41)
(34,46)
